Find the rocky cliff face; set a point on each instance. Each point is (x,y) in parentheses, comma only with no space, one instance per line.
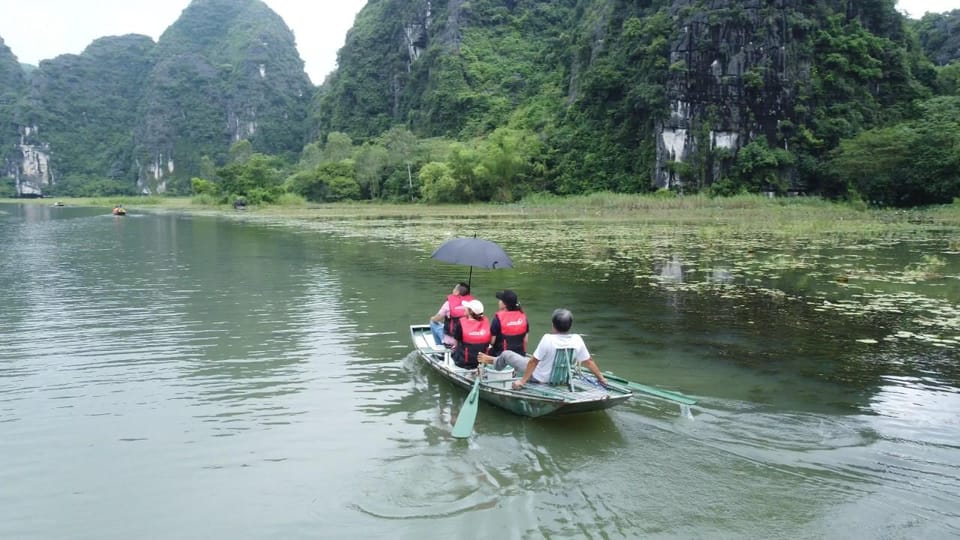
(143,115)
(776,71)
(660,93)
(368,92)
(736,69)
(226,71)
(31,171)
(939,35)
(409,62)
(80,110)
(625,95)
(12,87)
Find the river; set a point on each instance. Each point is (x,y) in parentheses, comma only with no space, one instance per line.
(185,376)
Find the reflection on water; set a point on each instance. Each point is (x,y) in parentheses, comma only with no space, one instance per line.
(670,271)
(193,377)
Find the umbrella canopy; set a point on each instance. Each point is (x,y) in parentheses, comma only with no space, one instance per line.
(473,252)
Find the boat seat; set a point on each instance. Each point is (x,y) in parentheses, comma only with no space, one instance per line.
(492,374)
(562,372)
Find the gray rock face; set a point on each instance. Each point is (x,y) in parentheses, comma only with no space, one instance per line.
(32,174)
(12,86)
(735,71)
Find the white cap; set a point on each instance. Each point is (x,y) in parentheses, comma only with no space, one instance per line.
(474,305)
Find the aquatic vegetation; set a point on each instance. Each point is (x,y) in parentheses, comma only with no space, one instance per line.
(902,266)
(929,268)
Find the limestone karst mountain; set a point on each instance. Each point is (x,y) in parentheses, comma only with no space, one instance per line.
(131,115)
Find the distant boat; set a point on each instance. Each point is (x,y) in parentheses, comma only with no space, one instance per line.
(119,211)
(58,203)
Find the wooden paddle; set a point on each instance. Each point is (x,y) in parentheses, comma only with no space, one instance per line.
(649,390)
(468,413)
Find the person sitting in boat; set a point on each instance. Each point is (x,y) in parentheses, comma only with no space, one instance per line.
(509,327)
(472,333)
(118,210)
(538,367)
(441,324)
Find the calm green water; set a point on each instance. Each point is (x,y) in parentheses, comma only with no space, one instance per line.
(168,376)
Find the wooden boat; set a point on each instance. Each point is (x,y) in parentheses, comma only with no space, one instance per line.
(533,399)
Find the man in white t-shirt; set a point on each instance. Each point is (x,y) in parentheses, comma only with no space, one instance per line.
(539,366)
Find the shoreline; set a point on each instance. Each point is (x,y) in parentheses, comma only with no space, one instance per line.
(793,215)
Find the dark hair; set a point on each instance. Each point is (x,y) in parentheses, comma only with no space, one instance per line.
(463,288)
(510,300)
(562,319)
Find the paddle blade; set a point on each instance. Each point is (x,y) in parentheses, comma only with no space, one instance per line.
(652,391)
(468,413)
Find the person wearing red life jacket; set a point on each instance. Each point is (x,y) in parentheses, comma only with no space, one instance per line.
(509,326)
(537,368)
(472,333)
(441,324)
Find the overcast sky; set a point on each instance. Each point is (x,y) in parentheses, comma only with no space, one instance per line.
(42,29)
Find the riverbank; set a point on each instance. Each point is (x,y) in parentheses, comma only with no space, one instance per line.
(792,216)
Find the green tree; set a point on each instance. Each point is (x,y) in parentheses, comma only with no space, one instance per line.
(948,79)
(208,169)
(468,172)
(338,148)
(439,184)
(509,159)
(8,188)
(402,148)
(909,164)
(371,161)
(761,168)
(240,151)
(342,188)
(311,157)
(326,183)
(201,186)
(259,172)
(872,162)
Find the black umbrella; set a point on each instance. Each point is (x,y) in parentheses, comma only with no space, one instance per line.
(473,252)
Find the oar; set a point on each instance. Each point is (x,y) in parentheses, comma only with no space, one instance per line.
(468,413)
(664,394)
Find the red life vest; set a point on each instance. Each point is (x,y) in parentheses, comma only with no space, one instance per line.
(513,328)
(476,338)
(457,311)
(474,331)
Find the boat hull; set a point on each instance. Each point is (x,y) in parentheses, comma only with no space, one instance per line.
(533,400)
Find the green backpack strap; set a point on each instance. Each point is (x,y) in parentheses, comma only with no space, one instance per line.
(562,368)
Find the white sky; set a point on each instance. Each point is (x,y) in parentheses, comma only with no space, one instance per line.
(42,29)
(916,8)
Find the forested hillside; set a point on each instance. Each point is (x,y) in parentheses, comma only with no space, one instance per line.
(633,96)
(939,35)
(128,115)
(491,100)
(83,108)
(226,71)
